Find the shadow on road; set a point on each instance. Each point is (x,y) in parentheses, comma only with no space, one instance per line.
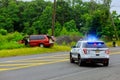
(91,65)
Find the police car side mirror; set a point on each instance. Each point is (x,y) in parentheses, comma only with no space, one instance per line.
(73,47)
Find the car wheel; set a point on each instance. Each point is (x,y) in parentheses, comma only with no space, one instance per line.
(106,63)
(41,45)
(71,59)
(80,63)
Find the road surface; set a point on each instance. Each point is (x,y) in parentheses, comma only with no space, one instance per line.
(56,66)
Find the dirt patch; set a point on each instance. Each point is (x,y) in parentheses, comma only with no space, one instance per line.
(67,39)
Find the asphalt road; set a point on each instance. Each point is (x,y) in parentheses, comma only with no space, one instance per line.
(56,66)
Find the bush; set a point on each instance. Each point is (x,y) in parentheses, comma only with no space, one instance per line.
(3,31)
(11,45)
(14,36)
(10,41)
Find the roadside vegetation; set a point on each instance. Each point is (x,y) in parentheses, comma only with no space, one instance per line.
(109,44)
(32,51)
(23,51)
(11,41)
(77,17)
(74,19)
(10,46)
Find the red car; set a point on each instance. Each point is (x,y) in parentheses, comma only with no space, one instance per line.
(40,40)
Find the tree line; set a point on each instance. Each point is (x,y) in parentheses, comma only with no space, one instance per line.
(73,17)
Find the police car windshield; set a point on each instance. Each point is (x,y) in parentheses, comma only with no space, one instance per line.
(94,45)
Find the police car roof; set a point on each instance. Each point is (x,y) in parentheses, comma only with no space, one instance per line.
(90,41)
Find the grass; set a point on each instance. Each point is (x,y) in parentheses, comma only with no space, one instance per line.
(32,51)
(38,50)
(109,44)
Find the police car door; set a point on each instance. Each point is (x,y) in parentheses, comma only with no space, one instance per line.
(76,50)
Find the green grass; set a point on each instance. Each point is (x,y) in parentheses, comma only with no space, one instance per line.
(37,50)
(32,51)
(109,44)
(11,45)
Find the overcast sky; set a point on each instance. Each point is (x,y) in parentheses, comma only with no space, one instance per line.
(114,6)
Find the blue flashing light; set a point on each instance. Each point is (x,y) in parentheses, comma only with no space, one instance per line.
(91,38)
(99,44)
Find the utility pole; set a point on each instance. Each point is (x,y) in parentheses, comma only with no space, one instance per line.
(53,17)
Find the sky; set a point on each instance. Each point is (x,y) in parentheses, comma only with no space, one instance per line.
(115,5)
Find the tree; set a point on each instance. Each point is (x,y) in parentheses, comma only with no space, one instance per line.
(35,17)
(45,20)
(63,12)
(70,26)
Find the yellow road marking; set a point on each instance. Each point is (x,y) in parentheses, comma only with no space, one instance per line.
(114,53)
(30,62)
(24,63)
(36,58)
(3,69)
(31,65)
(12,65)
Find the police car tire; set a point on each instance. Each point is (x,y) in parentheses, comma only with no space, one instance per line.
(80,62)
(71,59)
(106,64)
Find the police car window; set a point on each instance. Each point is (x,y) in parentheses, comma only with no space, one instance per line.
(95,45)
(78,44)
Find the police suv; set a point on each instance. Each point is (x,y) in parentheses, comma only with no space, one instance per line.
(90,52)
